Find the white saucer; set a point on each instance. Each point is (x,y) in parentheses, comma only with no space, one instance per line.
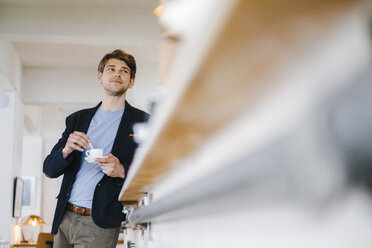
(91,160)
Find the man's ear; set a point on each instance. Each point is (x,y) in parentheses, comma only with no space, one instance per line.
(99,76)
(131,84)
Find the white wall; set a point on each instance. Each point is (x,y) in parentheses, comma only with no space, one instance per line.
(49,85)
(11,125)
(31,167)
(10,157)
(105,25)
(80,86)
(10,68)
(52,126)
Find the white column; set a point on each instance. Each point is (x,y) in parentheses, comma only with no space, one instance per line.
(11,123)
(11,129)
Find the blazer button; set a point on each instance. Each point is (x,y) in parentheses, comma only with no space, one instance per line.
(99,185)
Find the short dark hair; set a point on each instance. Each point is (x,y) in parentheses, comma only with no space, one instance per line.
(121,55)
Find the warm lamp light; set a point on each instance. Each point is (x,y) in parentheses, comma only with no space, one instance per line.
(33,220)
(158,11)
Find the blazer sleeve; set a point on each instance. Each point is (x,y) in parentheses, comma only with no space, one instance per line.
(54,164)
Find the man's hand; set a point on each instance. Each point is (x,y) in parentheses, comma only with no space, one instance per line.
(111,166)
(76,141)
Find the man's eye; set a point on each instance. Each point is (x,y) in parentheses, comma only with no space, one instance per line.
(125,71)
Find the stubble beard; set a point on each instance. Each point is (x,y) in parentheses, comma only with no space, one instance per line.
(115,92)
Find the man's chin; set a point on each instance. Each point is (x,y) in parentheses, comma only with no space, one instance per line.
(115,93)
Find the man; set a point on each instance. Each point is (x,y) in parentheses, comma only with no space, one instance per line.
(88,213)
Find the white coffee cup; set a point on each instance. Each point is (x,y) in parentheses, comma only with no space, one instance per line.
(95,153)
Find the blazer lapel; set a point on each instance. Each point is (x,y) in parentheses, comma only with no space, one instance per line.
(86,118)
(123,128)
(82,126)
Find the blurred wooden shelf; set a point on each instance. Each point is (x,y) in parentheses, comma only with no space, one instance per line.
(221,69)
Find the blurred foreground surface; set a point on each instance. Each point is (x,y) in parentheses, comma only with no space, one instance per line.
(267,140)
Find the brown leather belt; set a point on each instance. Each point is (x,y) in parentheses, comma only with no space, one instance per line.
(77,209)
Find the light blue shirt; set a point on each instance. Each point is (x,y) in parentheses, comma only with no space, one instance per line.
(102,131)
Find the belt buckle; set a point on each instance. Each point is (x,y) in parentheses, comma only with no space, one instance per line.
(79,210)
(74,209)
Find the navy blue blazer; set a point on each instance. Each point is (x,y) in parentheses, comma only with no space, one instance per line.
(106,209)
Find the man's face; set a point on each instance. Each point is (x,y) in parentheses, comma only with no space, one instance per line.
(115,78)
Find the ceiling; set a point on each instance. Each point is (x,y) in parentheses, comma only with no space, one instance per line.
(69,36)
